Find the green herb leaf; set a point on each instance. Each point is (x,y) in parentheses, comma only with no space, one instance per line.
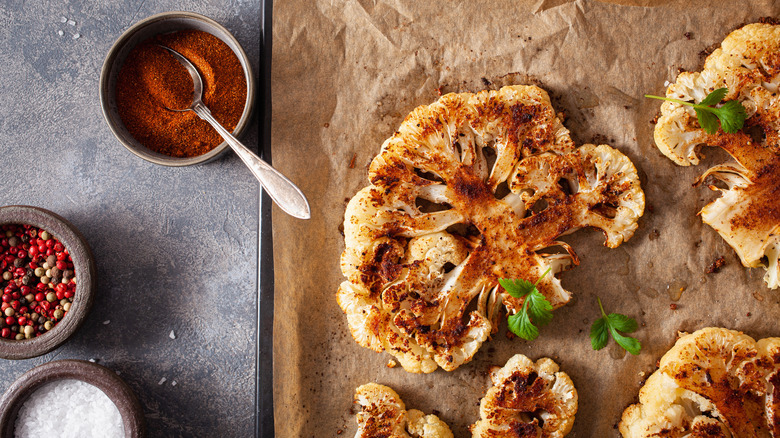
(715,97)
(539,308)
(731,114)
(628,343)
(517,288)
(610,325)
(622,322)
(521,325)
(536,309)
(599,334)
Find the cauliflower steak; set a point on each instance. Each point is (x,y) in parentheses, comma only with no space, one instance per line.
(527,400)
(747,214)
(713,383)
(471,189)
(384,415)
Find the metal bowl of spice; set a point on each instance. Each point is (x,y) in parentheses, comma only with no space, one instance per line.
(47,279)
(70,398)
(142,86)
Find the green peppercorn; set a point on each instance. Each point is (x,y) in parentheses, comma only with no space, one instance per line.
(40,271)
(51,297)
(48,272)
(9,311)
(7,276)
(45,280)
(30,298)
(29,330)
(58,314)
(48,325)
(63,301)
(19,336)
(45,235)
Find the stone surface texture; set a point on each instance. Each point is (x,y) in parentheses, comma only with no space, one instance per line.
(176,248)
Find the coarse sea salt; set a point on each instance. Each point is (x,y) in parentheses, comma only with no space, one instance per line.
(69,408)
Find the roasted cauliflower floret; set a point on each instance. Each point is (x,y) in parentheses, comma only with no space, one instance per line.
(713,383)
(527,399)
(747,214)
(384,415)
(472,188)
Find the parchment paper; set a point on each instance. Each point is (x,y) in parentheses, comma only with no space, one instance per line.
(345,73)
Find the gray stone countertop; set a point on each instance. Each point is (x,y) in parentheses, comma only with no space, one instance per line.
(176,248)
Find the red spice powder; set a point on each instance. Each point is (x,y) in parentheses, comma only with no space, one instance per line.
(151,81)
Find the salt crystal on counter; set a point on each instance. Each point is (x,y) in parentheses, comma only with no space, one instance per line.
(60,33)
(63,20)
(71,23)
(173,383)
(172,335)
(163,380)
(76,36)
(69,408)
(107,322)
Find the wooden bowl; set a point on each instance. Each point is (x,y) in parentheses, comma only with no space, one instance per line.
(86,275)
(103,378)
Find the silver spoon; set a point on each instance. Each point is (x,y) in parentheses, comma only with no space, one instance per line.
(286,194)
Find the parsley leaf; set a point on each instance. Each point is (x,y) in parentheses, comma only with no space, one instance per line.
(731,114)
(536,308)
(611,325)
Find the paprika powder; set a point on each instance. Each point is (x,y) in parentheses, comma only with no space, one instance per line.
(152,84)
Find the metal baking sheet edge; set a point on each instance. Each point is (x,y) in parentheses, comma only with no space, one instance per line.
(264,403)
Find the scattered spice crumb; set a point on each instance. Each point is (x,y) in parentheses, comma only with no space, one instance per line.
(391,363)
(688,35)
(654,120)
(352,161)
(673,306)
(327,125)
(654,235)
(510,335)
(716,265)
(758,296)
(749,314)
(107,322)
(339,432)
(163,380)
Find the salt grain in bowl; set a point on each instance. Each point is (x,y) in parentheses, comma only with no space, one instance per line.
(69,408)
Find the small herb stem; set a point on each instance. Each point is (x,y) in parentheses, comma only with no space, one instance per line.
(601,307)
(543,275)
(682,102)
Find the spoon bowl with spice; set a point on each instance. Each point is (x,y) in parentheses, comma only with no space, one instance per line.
(283,192)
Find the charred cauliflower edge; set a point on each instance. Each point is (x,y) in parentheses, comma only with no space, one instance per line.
(384,415)
(527,399)
(747,214)
(470,189)
(714,382)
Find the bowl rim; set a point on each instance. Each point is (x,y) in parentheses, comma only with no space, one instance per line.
(117,390)
(108,65)
(84,265)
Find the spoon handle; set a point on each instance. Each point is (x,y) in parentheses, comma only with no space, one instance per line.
(283,192)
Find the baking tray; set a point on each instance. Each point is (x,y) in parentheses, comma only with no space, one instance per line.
(264,403)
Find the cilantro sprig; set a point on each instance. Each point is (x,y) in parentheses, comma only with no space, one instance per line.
(610,325)
(536,309)
(731,114)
